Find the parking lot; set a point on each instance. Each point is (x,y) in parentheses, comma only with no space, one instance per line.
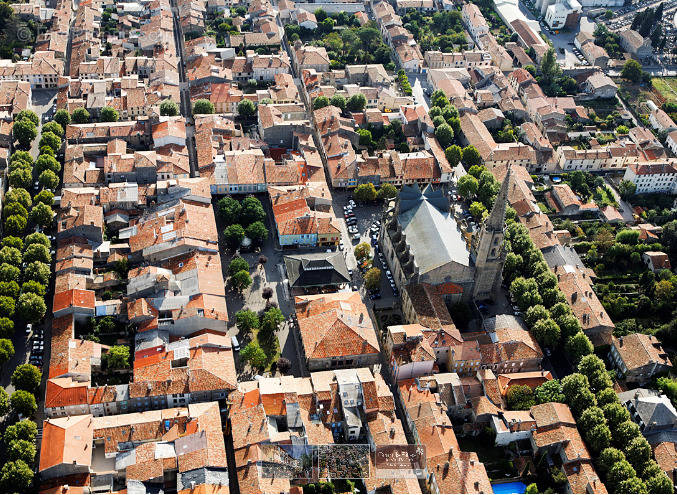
(365,217)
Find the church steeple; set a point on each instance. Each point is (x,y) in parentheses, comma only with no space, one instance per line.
(488,250)
(496,219)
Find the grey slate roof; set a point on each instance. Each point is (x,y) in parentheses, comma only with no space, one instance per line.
(432,233)
(316,269)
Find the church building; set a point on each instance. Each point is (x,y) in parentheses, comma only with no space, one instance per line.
(424,243)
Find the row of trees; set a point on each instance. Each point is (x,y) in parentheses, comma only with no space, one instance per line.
(356,103)
(445,118)
(242,219)
(623,455)
(367,192)
(404,82)
(19,438)
(534,288)
(262,350)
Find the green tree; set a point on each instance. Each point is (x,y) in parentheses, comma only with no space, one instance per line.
(31,286)
(467,186)
(625,432)
(7,306)
(372,279)
(229,209)
(45,197)
(638,453)
(12,241)
(237,264)
(22,430)
(246,320)
(520,398)
(20,178)
(632,70)
(627,189)
(535,313)
(477,210)
(532,488)
(234,234)
(550,69)
(16,476)
(10,255)
(4,402)
(48,179)
(50,139)
(338,101)
(607,396)
(21,450)
(9,273)
(117,357)
(169,108)
(27,115)
(365,192)
(631,486)
(37,252)
(610,456)
(659,484)
(357,102)
(246,108)
(203,106)
(387,191)
(550,391)
(453,155)
(546,331)
(19,195)
(24,131)
(578,346)
(54,128)
(26,377)
(365,137)
(31,307)
(362,251)
(41,215)
(80,116)
(590,418)
(572,384)
(271,320)
(36,271)
(254,355)
(471,156)
(6,328)
(252,211)
(9,289)
(62,117)
(569,325)
(6,350)
(320,102)
(598,437)
(23,402)
(445,135)
(47,162)
(21,156)
(621,470)
(241,280)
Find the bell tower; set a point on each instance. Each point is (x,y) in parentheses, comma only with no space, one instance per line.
(488,251)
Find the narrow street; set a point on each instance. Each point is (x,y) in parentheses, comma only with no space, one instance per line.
(184,89)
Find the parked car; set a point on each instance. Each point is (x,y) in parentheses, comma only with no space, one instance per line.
(235,343)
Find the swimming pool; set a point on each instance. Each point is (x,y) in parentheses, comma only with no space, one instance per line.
(510,487)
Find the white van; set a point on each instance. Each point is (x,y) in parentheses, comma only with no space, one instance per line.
(235,343)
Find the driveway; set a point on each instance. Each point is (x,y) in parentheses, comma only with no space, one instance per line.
(417,90)
(624,207)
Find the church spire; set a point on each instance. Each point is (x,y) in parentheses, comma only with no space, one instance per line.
(496,220)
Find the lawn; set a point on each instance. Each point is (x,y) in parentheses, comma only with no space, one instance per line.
(603,198)
(666,87)
(272,354)
(544,208)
